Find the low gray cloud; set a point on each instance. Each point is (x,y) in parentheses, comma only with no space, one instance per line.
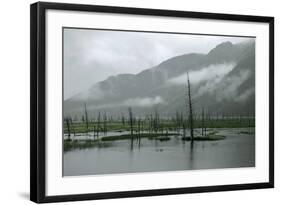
(91,56)
(144,102)
(214,72)
(244,96)
(215,82)
(133,102)
(228,88)
(95,93)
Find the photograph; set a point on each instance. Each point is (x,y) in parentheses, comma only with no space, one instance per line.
(134,102)
(147,101)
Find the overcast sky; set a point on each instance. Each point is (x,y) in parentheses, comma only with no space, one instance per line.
(91,56)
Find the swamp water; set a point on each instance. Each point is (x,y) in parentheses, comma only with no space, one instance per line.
(152,155)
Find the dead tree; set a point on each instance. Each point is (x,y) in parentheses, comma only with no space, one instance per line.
(98,124)
(190,108)
(72,125)
(181,119)
(183,129)
(131,121)
(68,126)
(104,124)
(156,121)
(150,118)
(139,126)
(203,123)
(178,123)
(139,130)
(86,117)
(123,119)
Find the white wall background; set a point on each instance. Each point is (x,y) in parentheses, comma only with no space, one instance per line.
(14,103)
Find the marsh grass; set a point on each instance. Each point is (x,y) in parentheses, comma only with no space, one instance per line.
(247,132)
(83,144)
(106,141)
(142,135)
(205,138)
(118,126)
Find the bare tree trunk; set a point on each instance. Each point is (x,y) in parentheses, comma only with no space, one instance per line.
(190,109)
(86,117)
(139,130)
(156,120)
(98,125)
(104,124)
(178,124)
(68,127)
(203,115)
(131,125)
(73,127)
(123,119)
(139,126)
(151,124)
(131,120)
(183,130)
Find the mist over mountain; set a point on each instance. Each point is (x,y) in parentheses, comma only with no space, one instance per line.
(222,81)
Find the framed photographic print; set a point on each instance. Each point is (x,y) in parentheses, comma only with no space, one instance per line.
(129,102)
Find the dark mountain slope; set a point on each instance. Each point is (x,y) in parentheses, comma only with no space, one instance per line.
(232,92)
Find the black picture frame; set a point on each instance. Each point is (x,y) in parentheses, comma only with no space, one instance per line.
(38,101)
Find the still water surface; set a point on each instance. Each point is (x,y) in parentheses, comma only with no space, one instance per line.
(236,150)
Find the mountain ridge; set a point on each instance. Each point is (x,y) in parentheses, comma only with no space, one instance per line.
(156,82)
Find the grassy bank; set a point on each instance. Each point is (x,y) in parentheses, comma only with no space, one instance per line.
(166,125)
(107,141)
(205,138)
(83,144)
(136,136)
